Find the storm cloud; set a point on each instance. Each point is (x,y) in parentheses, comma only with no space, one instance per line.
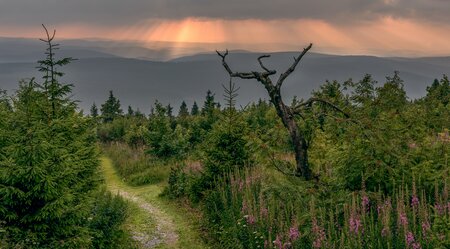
(115,12)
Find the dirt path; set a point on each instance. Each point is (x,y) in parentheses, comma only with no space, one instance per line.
(163,234)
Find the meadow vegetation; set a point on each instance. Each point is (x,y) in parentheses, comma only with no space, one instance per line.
(379,174)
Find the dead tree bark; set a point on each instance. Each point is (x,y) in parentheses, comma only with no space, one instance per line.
(283,111)
(286,113)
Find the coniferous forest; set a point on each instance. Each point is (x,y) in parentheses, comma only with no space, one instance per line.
(357,165)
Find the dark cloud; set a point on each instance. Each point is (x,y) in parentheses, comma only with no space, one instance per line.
(125,12)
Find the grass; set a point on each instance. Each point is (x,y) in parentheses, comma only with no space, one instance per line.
(243,212)
(139,219)
(187,229)
(135,166)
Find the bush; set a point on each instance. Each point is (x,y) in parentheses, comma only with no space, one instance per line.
(136,136)
(226,150)
(112,131)
(163,140)
(178,183)
(106,220)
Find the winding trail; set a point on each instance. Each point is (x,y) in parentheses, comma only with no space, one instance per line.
(155,224)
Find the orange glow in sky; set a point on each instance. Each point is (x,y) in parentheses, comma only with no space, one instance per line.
(385,36)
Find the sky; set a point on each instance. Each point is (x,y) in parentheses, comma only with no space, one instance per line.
(373,27)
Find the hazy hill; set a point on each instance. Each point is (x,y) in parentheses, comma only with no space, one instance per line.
(27,50)
(139,82)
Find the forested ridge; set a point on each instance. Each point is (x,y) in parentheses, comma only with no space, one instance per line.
(377,165)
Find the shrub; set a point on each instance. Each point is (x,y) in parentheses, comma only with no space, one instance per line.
(112,131)
(106,219)
(178,181)
(163,140)
(226,150)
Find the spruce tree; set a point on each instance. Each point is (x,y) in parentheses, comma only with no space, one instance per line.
(164,140)
(436,104)
(194,110)
(169,109)
(209,104)
(94,110)
(5,112)
(49,165)
(139,114)
(111,108)
(227,149)
(210,112)
(439,91)
(183,112)
(391,96)
(130,111)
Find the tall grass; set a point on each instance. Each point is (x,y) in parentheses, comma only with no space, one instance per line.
(135,166)
(408,219)
(244,215)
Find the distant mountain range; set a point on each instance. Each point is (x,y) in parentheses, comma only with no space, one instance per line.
(139,75)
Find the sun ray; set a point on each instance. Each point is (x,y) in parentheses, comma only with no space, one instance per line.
(383,36)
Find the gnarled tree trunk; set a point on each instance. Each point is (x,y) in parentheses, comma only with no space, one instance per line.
(285,112)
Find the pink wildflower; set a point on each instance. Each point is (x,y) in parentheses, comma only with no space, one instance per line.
(287,245)
(277,242)
(416,245)
(241,185)
(294,234)
(244,208)
(403,219)
(409,238)
(440,209)
(425,227)
(387,203)
(250,219)
(264,212)
(319,234)
(355,224)
(414,201)
(365,202)
(317,243)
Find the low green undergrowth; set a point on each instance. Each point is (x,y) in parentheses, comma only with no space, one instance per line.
(246,210)
(134,166)
(108,216)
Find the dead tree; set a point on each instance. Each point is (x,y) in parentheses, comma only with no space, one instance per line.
(286,113)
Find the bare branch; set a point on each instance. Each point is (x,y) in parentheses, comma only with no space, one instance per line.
(277,167)
(298,108)
(224,63)
(275,161)
(291,69)
(246,75)
(49,39)
(270,72)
